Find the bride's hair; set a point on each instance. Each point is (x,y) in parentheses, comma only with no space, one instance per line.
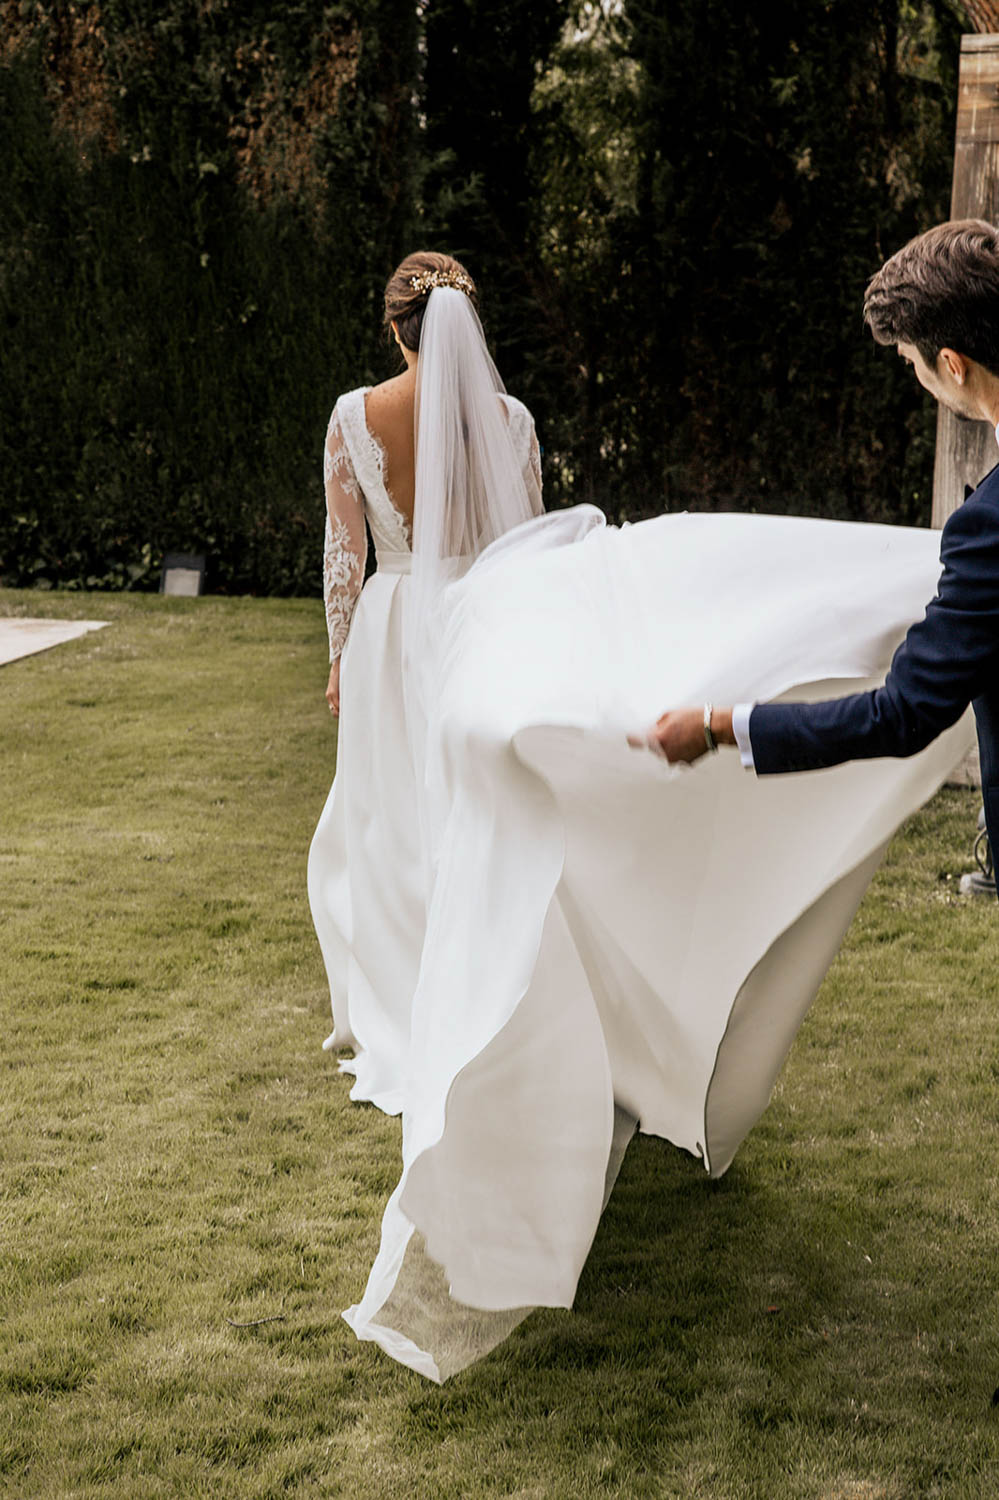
(405,303)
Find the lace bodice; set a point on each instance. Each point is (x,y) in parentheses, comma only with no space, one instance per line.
(354,473)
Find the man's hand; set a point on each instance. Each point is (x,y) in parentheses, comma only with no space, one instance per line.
(333,688)
(679,734)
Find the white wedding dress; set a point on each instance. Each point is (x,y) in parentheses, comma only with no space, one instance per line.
(606,942)
(365,871)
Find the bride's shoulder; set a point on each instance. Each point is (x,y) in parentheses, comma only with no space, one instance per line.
(519,417)
(515,407)
(388,414)
(347,408)
(391,395)
(346,399)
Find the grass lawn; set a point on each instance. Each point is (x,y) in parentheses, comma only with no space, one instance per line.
(178,1155)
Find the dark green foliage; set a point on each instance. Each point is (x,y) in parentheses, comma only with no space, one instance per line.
(480,193)
(187,285)
(671,212)
(718,189)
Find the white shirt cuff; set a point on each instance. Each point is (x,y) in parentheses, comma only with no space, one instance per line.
(740,728)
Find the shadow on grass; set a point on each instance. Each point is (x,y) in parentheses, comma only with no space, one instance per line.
(743,1316)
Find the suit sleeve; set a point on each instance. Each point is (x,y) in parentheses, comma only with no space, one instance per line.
(947,659)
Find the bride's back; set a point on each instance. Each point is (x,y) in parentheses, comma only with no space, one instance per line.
(388,410)
(463,363)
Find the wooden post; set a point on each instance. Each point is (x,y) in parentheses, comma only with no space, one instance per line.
(966,451)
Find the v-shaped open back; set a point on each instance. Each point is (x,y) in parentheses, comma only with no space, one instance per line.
(391,528)
(360,477)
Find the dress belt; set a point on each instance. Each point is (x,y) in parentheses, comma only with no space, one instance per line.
(402,562)
(394,562)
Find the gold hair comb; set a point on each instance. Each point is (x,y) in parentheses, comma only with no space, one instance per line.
(426,281)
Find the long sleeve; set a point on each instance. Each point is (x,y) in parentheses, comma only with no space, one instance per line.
(345,548)
(525,440)
(532,475)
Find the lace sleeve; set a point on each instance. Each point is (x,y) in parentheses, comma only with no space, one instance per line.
(346,543)
(532,474)
(525,440)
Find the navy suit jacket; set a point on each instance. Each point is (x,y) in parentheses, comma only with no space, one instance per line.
(948,660)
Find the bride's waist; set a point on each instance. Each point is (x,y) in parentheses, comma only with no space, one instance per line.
(450,568)
(394,562)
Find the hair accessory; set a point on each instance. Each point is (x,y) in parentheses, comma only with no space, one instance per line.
(427,280)
(709,738)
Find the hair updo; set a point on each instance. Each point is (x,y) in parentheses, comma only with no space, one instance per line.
(406,304)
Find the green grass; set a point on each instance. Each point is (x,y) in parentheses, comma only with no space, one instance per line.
(176,1151)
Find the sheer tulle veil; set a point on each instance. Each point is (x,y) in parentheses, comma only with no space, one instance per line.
(470,487)
(470,491)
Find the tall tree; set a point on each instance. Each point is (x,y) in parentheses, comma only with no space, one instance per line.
(759,169)
(202,199)
(482,62)
(671,212)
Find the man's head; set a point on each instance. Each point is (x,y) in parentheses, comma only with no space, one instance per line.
(937,299)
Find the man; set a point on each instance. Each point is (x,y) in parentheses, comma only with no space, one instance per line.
(937,301)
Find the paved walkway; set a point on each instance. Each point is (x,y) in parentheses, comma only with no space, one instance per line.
(24,637)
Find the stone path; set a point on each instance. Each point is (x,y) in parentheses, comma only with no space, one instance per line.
(24,637)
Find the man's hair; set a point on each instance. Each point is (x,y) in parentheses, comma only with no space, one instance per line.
(941,291)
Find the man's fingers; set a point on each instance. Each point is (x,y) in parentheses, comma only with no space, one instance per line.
(677,735)
(647,740)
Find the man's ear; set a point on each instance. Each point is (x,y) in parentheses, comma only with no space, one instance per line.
(956,365)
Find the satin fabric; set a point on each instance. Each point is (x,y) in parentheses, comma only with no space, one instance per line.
(606,941)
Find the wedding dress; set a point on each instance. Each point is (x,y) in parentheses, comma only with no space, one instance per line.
(598,941)
(365,884)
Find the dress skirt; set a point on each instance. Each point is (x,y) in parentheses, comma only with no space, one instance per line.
(365,878)
(607,942)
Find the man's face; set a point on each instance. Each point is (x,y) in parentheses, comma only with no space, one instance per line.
(939,381)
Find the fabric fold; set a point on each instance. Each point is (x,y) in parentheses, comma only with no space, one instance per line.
(611,940)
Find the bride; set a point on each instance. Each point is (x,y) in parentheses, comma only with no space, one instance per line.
(366,876)
(537,937)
